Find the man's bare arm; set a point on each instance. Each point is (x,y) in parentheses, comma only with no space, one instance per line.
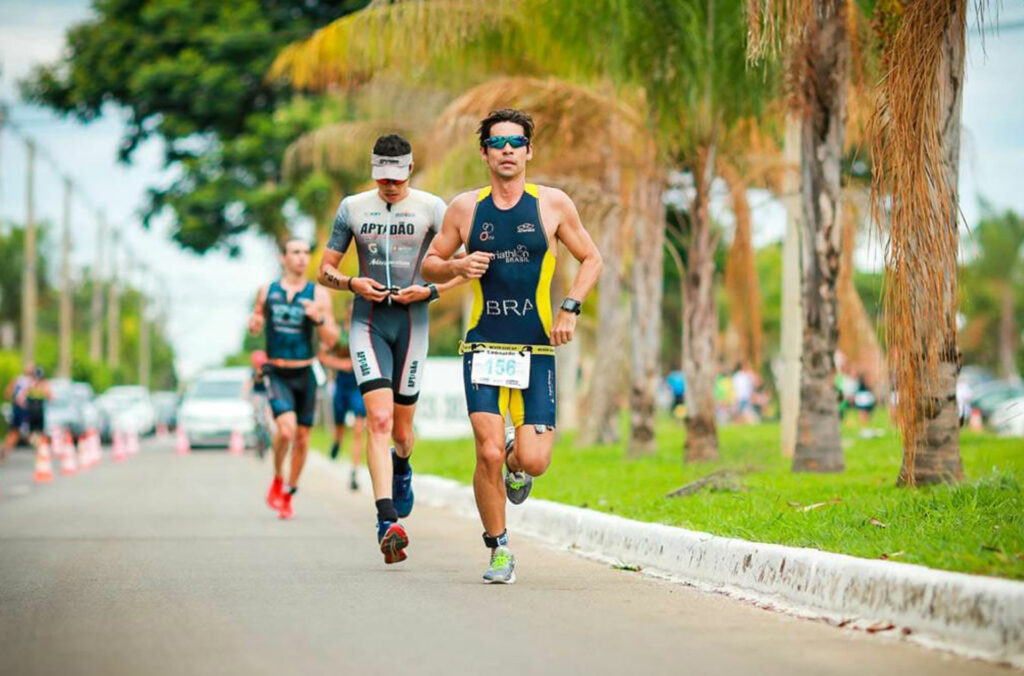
(328,274)
(577,240)
(328,331)
(256,318)
(334,362)
(438,265)
(579,243)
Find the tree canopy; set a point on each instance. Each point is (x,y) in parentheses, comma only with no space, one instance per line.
(192,73)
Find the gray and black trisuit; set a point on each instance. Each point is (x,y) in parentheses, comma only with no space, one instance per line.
(389,340)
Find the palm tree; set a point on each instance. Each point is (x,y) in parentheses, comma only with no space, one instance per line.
(915,151)
(818,66)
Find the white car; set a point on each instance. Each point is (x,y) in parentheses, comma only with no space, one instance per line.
(1008,418)
(215,405)
(127,407)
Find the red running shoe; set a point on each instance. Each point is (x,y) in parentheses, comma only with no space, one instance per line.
(393,541)
(286,511)
(275,494)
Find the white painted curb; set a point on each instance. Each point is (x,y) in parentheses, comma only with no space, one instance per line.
(971,615)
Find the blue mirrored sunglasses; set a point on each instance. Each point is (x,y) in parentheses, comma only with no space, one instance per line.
(498,142)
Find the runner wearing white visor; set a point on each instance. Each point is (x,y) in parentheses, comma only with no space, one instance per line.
(392,226)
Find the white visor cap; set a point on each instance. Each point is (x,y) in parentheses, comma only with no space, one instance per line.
(394,168)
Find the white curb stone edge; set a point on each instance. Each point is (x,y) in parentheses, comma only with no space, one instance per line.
(974,616)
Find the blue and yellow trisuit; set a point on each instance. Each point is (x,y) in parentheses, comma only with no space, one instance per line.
(512,306)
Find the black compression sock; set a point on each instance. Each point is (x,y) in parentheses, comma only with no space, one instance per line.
(401,464)
(386,510)
(334,451)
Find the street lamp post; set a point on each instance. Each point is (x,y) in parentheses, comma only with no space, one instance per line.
(29,290)
(64,367)
(96,311)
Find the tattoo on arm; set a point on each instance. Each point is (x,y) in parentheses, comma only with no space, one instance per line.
(333,280)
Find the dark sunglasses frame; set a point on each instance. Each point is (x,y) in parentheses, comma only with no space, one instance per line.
(390,181)
(499,142)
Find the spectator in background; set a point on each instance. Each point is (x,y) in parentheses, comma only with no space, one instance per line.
(15,392)
(724,395)
(37,395)
(864,399)
(743,385)
(677,385)
(964,397)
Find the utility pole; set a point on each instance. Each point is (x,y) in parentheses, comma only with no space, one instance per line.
(29,290)
(145,357)
(96,311)
(64,364)
(3,112)
(113,306)
(792,316)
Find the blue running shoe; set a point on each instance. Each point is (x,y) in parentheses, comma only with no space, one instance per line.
(401,491)
(393,540)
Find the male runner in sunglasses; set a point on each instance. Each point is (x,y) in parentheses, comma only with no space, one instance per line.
(511,230)
(392,226)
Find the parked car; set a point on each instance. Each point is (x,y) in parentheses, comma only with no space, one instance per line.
(64,411)
(86,399)
(126,407)
(217,403)
(989,396)
(975,376)
(166,405)
(1007,420)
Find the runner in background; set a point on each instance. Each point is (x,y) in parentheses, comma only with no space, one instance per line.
(18,423)
(347,397)
(292,309)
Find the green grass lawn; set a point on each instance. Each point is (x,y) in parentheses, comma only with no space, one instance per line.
(976,527)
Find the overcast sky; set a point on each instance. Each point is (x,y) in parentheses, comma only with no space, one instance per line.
(209,296)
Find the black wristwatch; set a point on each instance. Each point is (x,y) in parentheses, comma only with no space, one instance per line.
(434,293)
(572,305)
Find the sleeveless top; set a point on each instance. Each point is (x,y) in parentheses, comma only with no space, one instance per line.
(289,330)
(512,300)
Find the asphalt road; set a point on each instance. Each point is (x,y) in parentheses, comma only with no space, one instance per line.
(173,565)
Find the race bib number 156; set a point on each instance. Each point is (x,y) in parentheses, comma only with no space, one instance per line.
(502,369)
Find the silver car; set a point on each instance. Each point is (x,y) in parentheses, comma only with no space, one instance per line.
(215,405)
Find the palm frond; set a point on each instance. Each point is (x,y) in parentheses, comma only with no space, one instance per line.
(410,37)
(914,193)
(741,270)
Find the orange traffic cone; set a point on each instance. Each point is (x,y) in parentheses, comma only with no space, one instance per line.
(68,462)
(44,465)
(181,445)
(85,450)
(69,442)
(161,430)
(119,452)
(236,446)
(95,449)
(131,445)
(56,443)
